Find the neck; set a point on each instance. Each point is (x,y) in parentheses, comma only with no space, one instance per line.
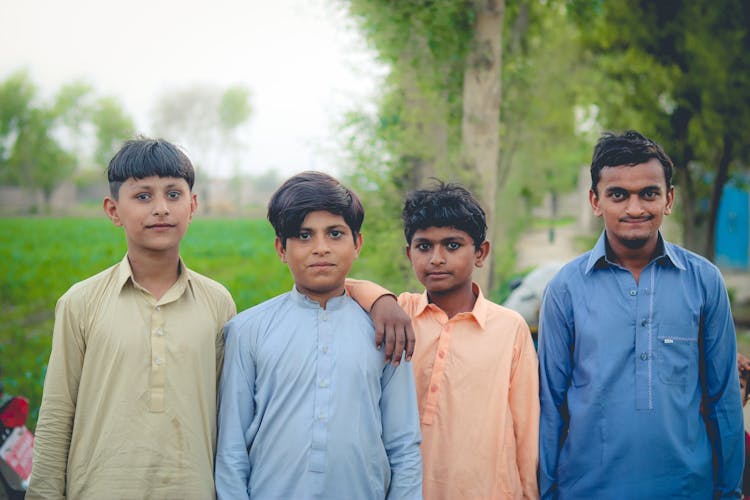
(454,301)
(156,272)
(632,259)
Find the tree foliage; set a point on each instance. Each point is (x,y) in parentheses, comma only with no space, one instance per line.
(205,117)
(420,129)
(43,143)
(679,71)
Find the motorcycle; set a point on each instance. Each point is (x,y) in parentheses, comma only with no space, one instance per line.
(16,447)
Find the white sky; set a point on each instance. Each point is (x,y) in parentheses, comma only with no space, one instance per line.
(302,60)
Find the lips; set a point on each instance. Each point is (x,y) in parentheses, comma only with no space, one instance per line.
(160,226)
(438,275)
(321,265)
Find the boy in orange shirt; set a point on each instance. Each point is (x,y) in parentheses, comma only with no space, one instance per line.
(474,363)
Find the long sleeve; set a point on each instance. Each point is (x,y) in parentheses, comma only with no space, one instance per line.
(236,409)
(555,368)
(401,435)
(722,396)
(524,406)
(55,426)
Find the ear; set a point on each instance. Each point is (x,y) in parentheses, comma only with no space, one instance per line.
(594,200)
(670,201)
(358,245)
(407,249)
(193,205)
(481,253)
(280,250)
(110,208)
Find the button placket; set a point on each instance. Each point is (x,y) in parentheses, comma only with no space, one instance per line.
(158,360)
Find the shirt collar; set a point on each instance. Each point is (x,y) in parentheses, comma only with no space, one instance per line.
(478,313)
(306,302)
(665,254)
(125,275)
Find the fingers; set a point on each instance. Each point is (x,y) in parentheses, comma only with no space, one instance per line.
(379,332)
(390,342)
(411,341)
(398,349)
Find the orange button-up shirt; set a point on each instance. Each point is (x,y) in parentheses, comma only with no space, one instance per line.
(477,386)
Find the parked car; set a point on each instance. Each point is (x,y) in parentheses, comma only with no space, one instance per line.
(526,294)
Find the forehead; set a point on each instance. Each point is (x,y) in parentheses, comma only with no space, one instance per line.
(155,182)
(434,233)
(636,177)
(323,218)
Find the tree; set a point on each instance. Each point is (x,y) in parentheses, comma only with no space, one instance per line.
(42,144)
(205,119)
(480,92)
(679,71)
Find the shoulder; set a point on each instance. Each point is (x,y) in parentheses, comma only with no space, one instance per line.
(91,288)
(209,286)
(700,272)
(261,314)
(508,319)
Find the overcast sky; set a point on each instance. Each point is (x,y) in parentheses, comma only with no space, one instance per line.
(301,59)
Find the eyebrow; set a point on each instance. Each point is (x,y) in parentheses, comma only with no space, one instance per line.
(337,227)
(613,189)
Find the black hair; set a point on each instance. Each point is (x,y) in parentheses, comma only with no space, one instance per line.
(143,157)
(630,148)
(308,192)
(445,205)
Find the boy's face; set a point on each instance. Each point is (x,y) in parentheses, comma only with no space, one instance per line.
(154,211)
(321,255)
(443,259)
(633,201)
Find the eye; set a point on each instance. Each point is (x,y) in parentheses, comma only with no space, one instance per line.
(650,195)
(173,195)
(423,247)
(617,195)
(452,245)
(304,235)
(143,196)
(336,234)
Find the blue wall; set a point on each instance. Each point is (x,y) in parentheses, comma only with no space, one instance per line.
(733,230)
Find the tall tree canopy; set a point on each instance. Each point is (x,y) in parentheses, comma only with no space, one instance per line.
(469,98)
(43,143)
(679,70)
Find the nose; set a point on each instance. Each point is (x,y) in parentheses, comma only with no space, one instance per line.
(438,257)
(160,207)
(320,245)
(634,207)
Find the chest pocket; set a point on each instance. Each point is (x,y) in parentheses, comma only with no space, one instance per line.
(677,351)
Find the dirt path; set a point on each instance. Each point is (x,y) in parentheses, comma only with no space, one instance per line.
(534,247)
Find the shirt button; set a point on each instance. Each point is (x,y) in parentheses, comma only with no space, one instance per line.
(325,349)
(633,292)
(644,356)
(441,354)
(433,388)
(158,308)
(160,332)
(322,416)
(323,383)
(644,322)
(158,361)
(324,316)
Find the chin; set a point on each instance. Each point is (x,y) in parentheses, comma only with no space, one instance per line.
(635,243)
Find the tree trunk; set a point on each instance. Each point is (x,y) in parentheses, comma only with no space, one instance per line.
(481,114)
(722,175)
